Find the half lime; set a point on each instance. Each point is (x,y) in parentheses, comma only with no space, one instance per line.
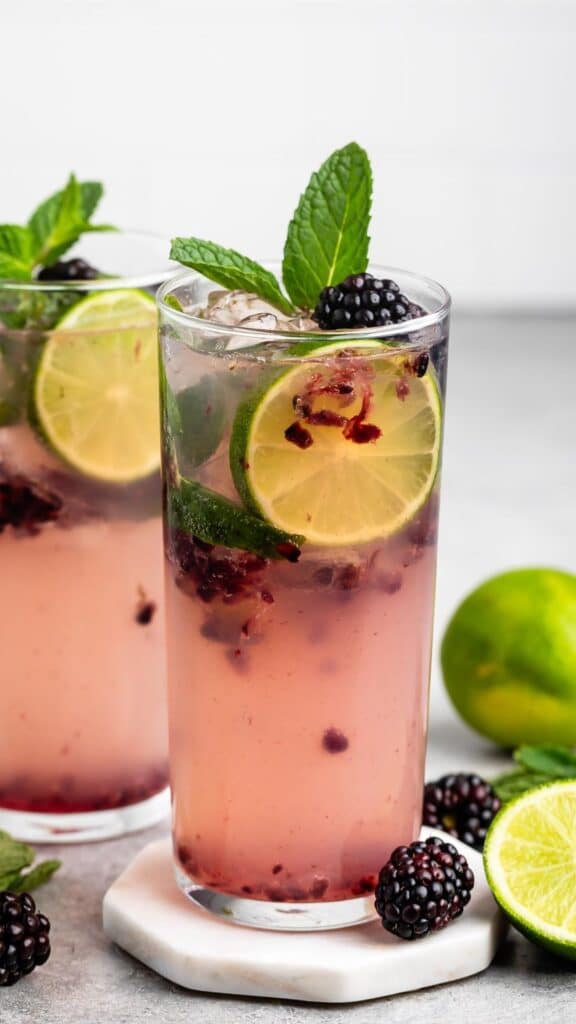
(530,861)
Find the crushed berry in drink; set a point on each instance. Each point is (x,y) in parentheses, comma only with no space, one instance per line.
(348,578)
(145,613)
(334,741)
(26,506)
(298,435)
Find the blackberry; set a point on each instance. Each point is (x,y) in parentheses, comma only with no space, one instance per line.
(24,941)
(363,300)
(462,805)
(422,888)
(69,270)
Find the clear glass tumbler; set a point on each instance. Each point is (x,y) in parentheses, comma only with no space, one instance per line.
(298,668)
(83,732)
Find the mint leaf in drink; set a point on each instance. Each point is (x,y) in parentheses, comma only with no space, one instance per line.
(558,762)
(210,517)
(16,252)
(230,269)
(201,416)
(328,234)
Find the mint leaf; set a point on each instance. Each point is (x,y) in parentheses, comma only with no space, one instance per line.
(328,235)
(558,762)
(57,223)
(91,193)
(62,218)
(215,519)
(16,257)
(14,857)
(230,269)
(513,784)
(38,875)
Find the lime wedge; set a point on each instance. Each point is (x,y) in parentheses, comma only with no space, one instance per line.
(95,392)
(530,861)
(216,520)
(330,488)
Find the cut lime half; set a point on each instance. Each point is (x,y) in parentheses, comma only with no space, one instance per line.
(95,393)
(530,860)
(331,489)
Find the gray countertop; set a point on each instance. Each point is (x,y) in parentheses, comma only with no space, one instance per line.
(509,489)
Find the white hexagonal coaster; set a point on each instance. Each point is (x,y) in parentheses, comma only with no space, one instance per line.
(146,914)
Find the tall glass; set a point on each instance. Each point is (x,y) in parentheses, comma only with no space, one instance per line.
(298,683)
(83,735)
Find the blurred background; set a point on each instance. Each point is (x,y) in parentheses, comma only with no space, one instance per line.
(208,118)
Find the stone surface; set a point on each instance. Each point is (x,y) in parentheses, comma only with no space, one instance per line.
(510,409)
(146,915)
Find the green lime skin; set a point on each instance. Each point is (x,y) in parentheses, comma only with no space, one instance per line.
(240,438)
(564,949)
(509,658)
(216,520)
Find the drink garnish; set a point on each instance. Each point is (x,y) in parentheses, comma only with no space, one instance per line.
(53,228)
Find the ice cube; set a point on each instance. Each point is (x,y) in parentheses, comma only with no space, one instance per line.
(300,323)
(260,321)
(232,308)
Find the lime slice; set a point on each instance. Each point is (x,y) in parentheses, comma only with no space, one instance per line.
(335,491)
(530,860)
(95,393)
(217,520)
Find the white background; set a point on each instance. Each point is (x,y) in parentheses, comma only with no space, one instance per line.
(208,118)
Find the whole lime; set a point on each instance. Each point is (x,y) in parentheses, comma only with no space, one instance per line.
(509,658)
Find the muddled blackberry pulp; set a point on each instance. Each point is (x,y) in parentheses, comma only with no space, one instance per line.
(297,686)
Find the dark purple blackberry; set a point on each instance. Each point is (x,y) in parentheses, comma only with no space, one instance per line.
(69,270)
(363,300)
(24,941)
(422,888)
(462,805)
(25,506)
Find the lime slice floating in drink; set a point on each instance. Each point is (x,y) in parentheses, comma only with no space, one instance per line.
(95,393)
(327,486)
(530,860)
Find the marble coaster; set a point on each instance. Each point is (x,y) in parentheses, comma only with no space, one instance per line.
(146,914)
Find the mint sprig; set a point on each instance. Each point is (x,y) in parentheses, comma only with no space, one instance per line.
(230,269)
(54,226)
(15,858)
(536,766)
(328,234)
(327,239)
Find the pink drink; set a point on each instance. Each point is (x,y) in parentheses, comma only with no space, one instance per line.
(298,689)
(77,735)
(83,732)
(308,732)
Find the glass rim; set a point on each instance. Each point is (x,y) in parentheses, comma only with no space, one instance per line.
(104,284)
(393,331)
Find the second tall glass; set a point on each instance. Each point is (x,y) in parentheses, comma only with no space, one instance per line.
(300,583)
(83,734)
